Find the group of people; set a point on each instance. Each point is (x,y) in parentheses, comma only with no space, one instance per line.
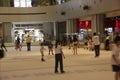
(115,61)
(18,43)
(59,55)
(93,44)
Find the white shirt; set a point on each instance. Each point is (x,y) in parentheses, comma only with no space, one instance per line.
(115,52)
(96,40)
(58,49)
(108,37)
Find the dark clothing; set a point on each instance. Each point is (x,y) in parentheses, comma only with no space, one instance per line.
(3,45)
(107,44)
(17,44)
(28,42)
(28,46)
(18,40)
(97,50)
(115,68)
(2,54)
(70,39)
(50,47)
(58,59)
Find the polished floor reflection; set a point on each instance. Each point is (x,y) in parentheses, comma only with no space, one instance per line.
(28,66)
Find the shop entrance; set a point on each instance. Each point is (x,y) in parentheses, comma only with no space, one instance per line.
(23,30)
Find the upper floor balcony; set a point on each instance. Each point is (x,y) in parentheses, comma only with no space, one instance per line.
(30,3)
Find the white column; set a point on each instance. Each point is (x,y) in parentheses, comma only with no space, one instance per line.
(6,3)
(98,24)
(94,23)
(54,29)
(71,26)
(68,26)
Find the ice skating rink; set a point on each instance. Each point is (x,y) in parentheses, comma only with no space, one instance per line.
(24,65)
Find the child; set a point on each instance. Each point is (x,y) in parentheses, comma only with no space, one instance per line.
(115,58)
(42,51)
(91,45)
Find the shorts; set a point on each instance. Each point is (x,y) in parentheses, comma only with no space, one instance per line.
(115,68)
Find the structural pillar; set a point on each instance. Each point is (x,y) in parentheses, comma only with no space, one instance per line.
(70,26)
(5,3)
(98,25)
(7,26)
(54,30)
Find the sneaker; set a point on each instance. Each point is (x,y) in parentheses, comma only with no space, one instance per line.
(56,72)
(62,71)
(42,59)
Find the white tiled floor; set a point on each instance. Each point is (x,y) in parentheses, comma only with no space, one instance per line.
(27,65)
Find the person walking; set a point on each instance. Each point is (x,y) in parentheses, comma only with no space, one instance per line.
(18,45)
(91,45)
(59,57)
(115,60)
(96,42)
(75,45)
(42,51)
(107,42)
(28,42)
(70,41)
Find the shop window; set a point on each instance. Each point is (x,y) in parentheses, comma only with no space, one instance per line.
(22,3)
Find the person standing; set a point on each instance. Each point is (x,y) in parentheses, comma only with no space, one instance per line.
(91,45)
(70,41)
(28,42)
(96,42)
(50,48)
(107,42)
(75,45)
(115,59)
(59,57)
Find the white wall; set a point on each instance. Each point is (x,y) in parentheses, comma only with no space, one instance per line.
(73,9)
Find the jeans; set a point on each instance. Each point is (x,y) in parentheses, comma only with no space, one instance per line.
(97,50)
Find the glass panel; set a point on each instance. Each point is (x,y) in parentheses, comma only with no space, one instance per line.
(28,3)
(22,3)
(16,3)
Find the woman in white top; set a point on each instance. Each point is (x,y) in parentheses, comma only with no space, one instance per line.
(58,57)
(115,60)
(96,42)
